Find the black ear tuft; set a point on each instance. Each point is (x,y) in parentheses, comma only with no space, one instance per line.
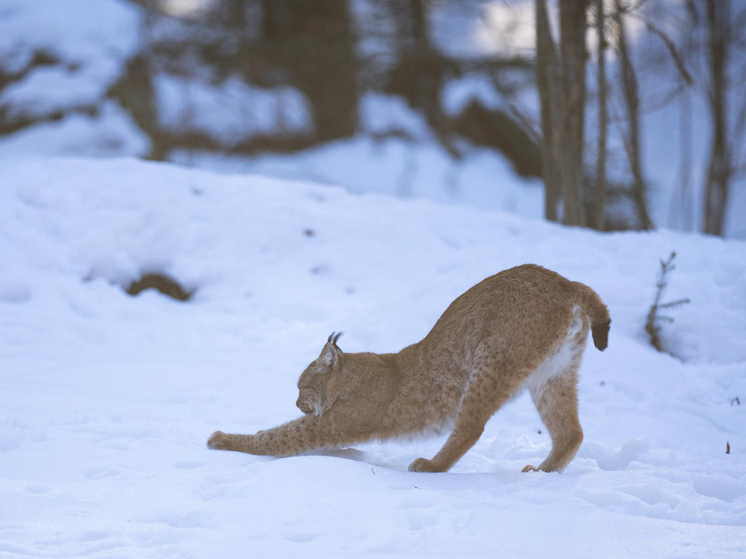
(333,338)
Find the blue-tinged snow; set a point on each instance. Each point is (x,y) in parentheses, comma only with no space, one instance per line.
(232,111)
(92,40)
(107,400)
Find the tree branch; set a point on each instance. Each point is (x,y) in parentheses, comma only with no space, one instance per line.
(669,45)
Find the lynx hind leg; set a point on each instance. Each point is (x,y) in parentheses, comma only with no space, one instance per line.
(484,395)
(556,399)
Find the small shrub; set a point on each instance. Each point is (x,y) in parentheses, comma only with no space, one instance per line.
(655,319)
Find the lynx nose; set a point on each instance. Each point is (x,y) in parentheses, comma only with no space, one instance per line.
(302,406)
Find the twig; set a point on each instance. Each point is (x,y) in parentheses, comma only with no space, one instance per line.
(652,325)
(669,45)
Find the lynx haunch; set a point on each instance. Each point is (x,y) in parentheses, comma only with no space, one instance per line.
(525,327)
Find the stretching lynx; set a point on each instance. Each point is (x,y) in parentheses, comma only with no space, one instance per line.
(524,327)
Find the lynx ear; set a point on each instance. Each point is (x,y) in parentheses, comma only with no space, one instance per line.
(331,355)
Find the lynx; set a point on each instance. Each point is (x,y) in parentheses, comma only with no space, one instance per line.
(525,327)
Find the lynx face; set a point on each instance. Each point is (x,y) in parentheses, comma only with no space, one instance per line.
(312,388)
(314,396)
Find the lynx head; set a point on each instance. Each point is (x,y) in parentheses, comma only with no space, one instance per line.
(315,395)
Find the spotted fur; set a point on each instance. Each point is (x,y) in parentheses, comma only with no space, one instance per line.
(524,328)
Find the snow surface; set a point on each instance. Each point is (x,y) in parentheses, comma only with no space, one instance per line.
(107,400)
(459,92)
(187,105)
(395,166)
(93,38)
(395,153)
(390,114)
(111,132)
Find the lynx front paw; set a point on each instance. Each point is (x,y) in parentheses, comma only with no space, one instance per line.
(530,468)
(219,441)
(424,465)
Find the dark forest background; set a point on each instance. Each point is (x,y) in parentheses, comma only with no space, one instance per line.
(571,108)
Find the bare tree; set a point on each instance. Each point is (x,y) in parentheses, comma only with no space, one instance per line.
(549,100)
(572,17)
(719,171)
(632,103)
(603,119)
(561,81)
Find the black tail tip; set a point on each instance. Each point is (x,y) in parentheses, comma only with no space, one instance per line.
(601,334)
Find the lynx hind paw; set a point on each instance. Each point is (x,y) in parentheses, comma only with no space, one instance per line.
(530,468)
(424,465)
(218,440)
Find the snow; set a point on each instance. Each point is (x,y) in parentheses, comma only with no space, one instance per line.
(389,114)
(188,105)
(83,47)
(108,399)
(94,38)
(395,153)
(395,166)
(46,90)
(110,132)
(459,92)
(508,28)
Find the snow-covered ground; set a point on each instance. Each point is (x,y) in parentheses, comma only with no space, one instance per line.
(107,400)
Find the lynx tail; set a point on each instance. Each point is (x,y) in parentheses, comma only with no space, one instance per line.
(596,310)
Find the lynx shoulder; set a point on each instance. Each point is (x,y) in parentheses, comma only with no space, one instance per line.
(525,327)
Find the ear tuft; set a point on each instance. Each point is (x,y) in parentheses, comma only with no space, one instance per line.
(331,355)
(333,337)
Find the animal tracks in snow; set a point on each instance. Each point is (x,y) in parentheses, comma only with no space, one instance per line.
(691,498)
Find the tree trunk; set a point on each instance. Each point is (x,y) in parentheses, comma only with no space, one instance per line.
(719,169)
(632,102)
(314,41)
(603,119)
(546,79)
(561,82)
(570,140)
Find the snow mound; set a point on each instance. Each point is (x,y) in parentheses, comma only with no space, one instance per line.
(196,106)
(89,60)
(111,132)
